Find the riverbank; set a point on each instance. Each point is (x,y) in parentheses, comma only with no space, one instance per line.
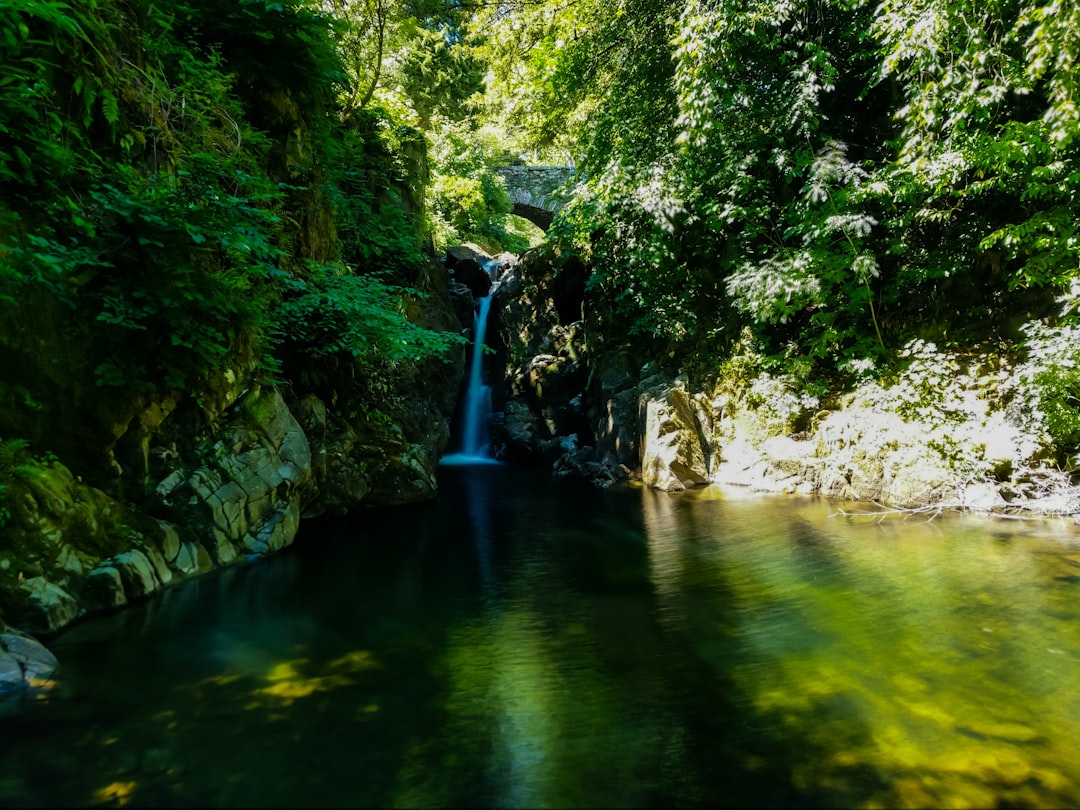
(945,432)
(940,429)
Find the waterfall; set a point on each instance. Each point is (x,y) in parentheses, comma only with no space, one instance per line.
(475,442)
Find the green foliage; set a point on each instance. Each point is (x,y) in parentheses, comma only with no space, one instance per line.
(168,172)
(56,85)
(925,389)
(14,455)
(627,225)
(469,201)
(278,46)
(440,77)
(1048,388)
(839,176)
(509,232)
(376,229)
(203,243)
(410,59)
(160,232)
(336,318)
(590,78)
(743,206)
(781,400)
(461,202)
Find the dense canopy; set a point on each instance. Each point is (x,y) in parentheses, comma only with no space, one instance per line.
(820,181)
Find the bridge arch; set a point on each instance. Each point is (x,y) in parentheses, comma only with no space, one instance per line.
(536,191)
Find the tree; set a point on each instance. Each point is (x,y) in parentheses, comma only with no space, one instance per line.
(834,173)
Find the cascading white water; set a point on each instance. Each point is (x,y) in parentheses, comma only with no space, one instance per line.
(477,396)
(475,443)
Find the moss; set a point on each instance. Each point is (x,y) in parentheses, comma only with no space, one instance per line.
(49,508)
(256,407)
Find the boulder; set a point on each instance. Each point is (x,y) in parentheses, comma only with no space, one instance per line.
(136,573)
(407,477)
(11,674)
(510,287)
(466,267)
(581,463)
(515,435)
(673,452)
(552,381)
(30,654)
(502,265)
(464,253)
(46,607)
(473,276)
(193,559)
(170,541)
(26,668)
(616,428)
(461,298)
(104,589)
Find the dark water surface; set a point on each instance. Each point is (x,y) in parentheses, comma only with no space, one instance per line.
(525,642)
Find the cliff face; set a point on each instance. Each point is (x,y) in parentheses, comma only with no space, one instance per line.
(225,475)
(210,325)
(202,478)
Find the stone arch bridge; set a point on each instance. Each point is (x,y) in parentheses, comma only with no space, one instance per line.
(535,191)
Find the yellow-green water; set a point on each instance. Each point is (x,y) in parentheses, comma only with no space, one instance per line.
(523,642)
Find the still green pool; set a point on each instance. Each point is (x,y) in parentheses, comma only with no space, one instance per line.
(527,642)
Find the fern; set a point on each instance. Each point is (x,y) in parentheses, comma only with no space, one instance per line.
(110,106)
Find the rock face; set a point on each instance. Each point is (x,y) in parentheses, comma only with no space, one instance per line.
(541,344)
(854,454)
(85,552)
(462,300)
(593,417)
(248,488)
(213,477)
(592,409)
(389,456)
(57,530)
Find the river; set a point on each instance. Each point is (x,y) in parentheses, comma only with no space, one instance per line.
(529,642)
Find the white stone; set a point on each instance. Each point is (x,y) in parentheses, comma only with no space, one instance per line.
(672,454)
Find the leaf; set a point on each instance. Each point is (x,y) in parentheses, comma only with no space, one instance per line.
(110,106)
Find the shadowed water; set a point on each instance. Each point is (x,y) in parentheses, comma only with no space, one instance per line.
(525,642)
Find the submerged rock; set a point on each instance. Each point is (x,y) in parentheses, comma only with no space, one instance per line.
(26,667)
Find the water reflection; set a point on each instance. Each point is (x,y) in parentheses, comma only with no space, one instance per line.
(478,503)
(911,658)
(527,643)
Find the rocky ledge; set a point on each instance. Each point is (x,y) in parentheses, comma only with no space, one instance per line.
(204,480)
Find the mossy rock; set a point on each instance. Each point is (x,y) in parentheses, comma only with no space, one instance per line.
(58,528)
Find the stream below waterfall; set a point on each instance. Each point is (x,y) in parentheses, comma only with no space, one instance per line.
(525,642)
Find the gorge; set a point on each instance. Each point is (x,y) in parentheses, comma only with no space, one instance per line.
(634,404)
